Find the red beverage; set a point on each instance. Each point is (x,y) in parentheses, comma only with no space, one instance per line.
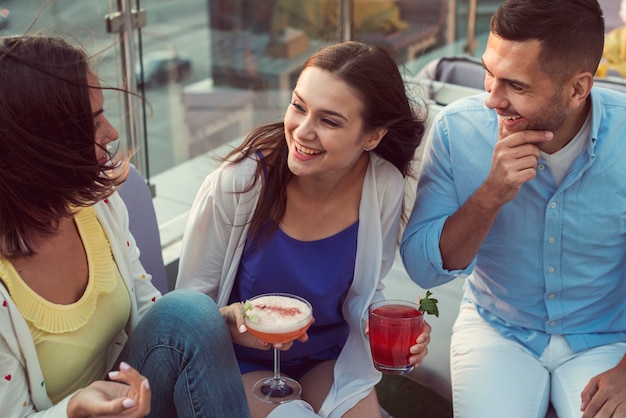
(394,326)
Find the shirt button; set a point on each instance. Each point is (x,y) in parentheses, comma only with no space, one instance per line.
(552,323)
(553,205)
(551,240)
(540,166)
(551,295)
(551,269)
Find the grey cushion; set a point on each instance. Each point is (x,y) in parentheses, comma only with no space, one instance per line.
(144,226)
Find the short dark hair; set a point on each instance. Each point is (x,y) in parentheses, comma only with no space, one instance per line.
(571,32)
(48,162)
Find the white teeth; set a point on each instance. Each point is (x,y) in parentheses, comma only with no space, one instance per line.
(512,117)
(307,151)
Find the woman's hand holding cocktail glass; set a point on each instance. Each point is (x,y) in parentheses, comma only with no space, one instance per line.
(278,318)
(233,315)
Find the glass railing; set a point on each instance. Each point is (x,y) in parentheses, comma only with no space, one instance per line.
(209,70)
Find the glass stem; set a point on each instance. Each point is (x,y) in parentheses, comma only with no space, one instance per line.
(276,364)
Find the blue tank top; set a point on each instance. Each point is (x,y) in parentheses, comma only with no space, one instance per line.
(320,271)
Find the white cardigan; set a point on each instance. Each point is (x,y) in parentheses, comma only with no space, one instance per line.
(213,243)
(22,391)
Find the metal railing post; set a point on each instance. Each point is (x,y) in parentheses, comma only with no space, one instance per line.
(345,19)
(470,45)
(124,22)
(451,36)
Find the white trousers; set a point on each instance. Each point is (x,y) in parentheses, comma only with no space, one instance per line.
(493,376)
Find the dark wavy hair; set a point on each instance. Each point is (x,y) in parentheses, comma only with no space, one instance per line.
(47,140)
(571,32)
(373,73)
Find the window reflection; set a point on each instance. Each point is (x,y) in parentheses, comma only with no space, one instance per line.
(213,69)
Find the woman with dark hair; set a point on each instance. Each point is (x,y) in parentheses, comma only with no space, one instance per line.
(74,298)
(311,206)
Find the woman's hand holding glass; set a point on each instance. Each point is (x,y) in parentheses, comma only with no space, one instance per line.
(419,350)
(127,395)
(233,315)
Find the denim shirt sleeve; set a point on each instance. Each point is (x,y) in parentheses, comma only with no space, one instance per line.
(437,198)
(554,261)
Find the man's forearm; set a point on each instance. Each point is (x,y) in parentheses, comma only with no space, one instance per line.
(464,232)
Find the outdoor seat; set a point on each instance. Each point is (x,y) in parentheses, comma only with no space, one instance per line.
(612,83)
(468,71)
(144,226)
(462,70)
(426,24)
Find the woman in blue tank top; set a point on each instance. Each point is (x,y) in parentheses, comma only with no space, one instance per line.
(311,206)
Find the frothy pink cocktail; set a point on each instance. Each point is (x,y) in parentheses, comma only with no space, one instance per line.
(277,318)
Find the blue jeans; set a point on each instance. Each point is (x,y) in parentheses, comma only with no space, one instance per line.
(183,347)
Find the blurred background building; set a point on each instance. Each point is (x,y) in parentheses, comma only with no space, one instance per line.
(209,70)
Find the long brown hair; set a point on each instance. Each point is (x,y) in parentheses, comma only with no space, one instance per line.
(372,72)
(47,140)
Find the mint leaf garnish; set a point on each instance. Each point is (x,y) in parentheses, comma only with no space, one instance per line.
(250,312)
(429,305)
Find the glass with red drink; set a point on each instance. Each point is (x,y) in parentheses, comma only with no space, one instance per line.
(394,325)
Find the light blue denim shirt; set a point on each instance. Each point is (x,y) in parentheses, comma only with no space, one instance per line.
(554,262)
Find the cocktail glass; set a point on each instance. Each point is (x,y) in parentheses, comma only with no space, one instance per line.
(394,325)
(277,318)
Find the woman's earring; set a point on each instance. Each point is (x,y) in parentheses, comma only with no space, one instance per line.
(367,149)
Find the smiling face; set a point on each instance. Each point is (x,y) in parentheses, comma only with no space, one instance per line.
(324,126)
(104,132)
(520,92)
